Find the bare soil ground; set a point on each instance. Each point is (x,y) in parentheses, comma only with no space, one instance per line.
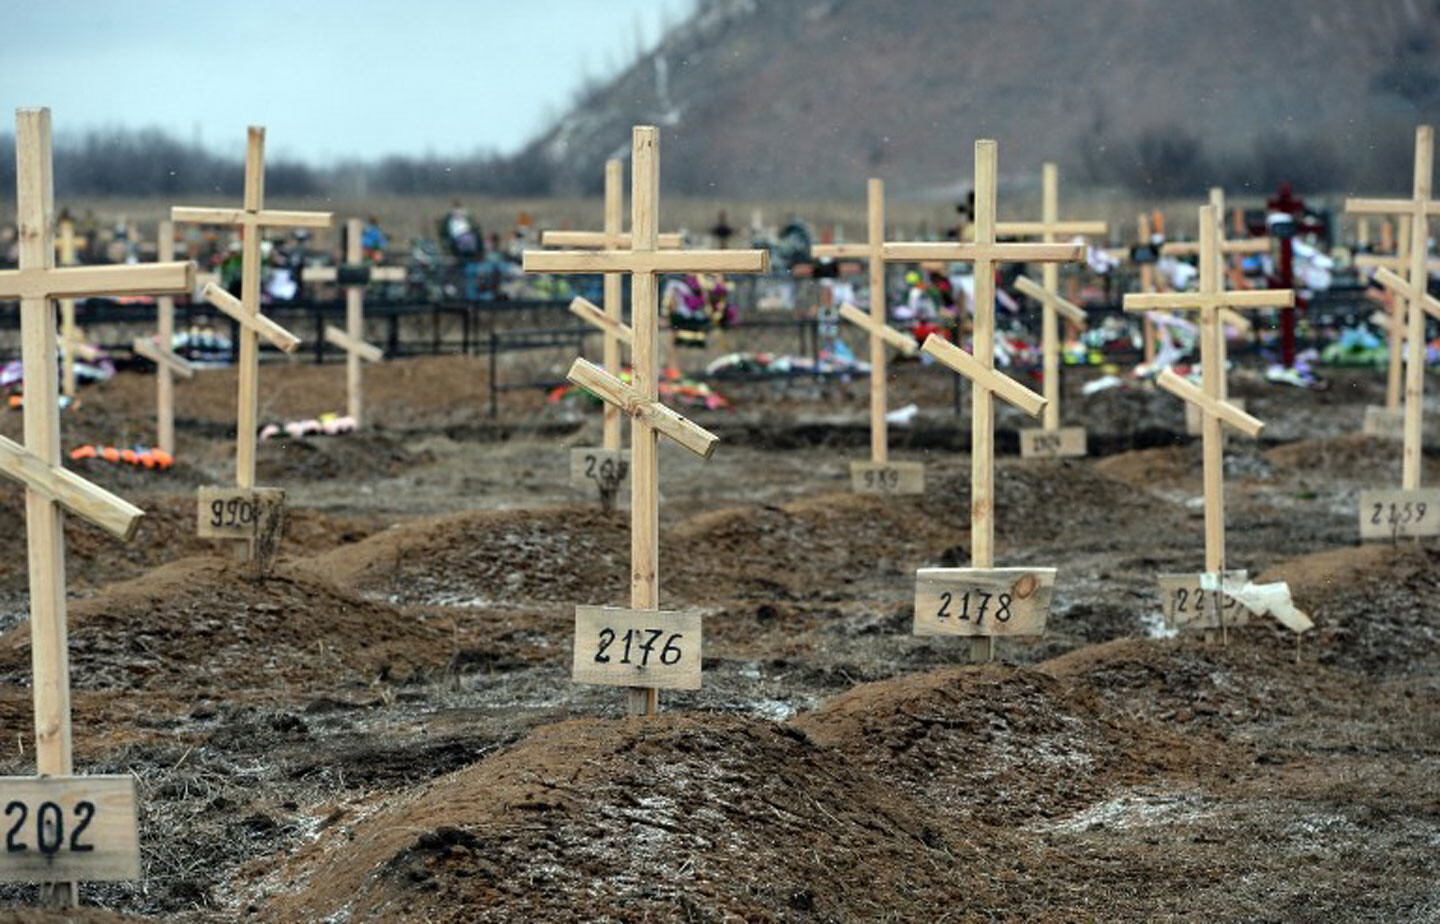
(385,729)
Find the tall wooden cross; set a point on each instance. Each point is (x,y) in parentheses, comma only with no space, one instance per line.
(354,276)
(1051,229)
(1030,585)
(1215,409)
(160,351)
(1234,248)
(50,489)
(70,344)
(640,401)
(251,218)
(1420,208)
(609,467)
(880,475)
(1392,419)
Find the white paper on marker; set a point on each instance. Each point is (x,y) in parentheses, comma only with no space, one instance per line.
(1262,599)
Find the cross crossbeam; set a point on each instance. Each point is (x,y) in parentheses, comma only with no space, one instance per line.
(591,314)
(899,339)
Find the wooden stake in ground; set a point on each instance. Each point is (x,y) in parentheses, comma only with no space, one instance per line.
(69,337)
(1420,207)
(1029,588)
(1215,409)
(597,659)
(1049,441)
(251,219)
(160,352)
(355,275)
(608,467)
(880,475)
(45,843)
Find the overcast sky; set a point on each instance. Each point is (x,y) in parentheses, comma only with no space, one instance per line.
(330,79)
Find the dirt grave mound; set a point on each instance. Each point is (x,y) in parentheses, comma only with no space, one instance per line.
(483,557)
(166,533)
(1162,466)
(365,455)
(678,818)
(203,623)
(995,743)
(1355,457)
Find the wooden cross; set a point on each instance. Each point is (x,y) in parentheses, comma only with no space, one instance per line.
(880,475)
(640,399)
(160,352)
(49,488)
(1051,229)
(1209,300)
(984,253)
(587,463)
(1420,207)
(251,218)
(70,341)
(1398,262)
(354,276)
(1229,248)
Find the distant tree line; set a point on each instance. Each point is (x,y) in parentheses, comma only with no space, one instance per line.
(150,162)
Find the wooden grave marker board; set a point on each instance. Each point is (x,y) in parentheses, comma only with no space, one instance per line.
(1413,288)
(83,828)
(1048,441)
(1210,300)
(251,218)
(984,253)
(640,399)
(879,475)
(606,469)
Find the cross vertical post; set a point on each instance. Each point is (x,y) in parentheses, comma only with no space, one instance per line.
(164,376)
(68,336)
(353,278)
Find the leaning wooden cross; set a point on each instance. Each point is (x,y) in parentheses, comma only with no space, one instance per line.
(252,516)
(355,275)
(642,648)
(160,352)
(879,475)
(1409,511)
(607,468)
(62,828)
(1051,440)
(983,601)
(1227,590)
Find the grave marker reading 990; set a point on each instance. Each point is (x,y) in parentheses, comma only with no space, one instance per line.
(238,513)
(637,648)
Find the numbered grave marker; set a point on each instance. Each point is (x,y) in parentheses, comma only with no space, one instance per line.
(1060,443)
(1050,229)
(241,513)
(986,382)
(609,320)
(1393,514)
(1200,601)
(983,601)
(1414,290)
(887,478)
(252,218)
(653,649)
(640,398)
(50,490)
(606,470)
(69,829)
(1384,423)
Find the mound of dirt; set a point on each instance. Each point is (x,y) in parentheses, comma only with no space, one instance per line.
(361,456)
(203,623)
(679,818)
(166,533)
(1354,457)
(995,743)
(1161,466)
(560,555)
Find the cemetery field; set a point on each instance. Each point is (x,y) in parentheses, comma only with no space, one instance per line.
(385,729)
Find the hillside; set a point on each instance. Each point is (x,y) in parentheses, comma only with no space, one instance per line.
(807,97)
